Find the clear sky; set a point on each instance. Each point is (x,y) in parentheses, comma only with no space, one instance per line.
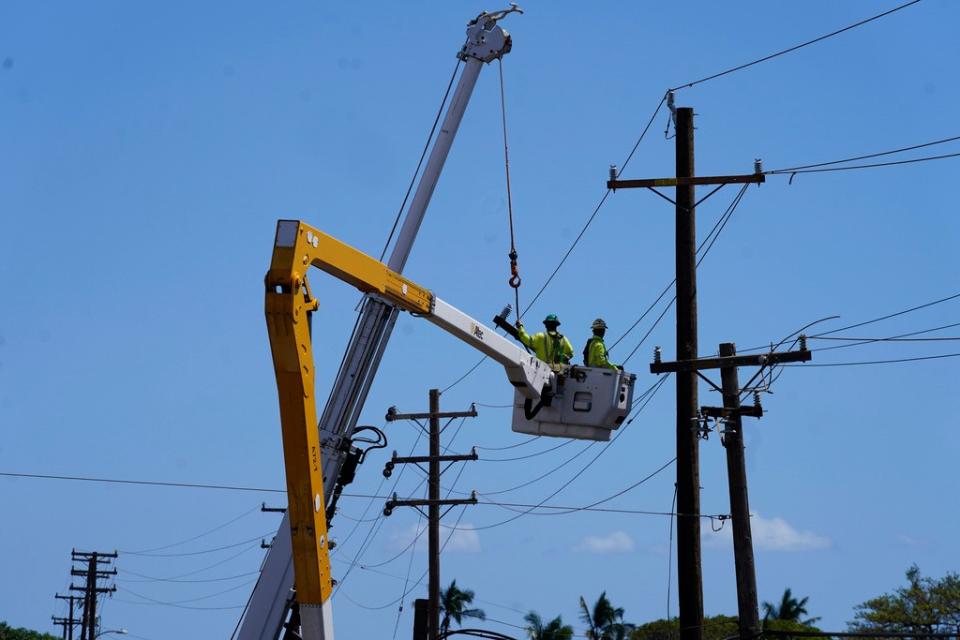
(148,150)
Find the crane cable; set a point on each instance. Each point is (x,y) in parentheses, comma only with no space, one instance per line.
(515,279)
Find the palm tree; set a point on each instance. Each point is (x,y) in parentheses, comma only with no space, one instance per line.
(553,630)
(789,609)
(453,605)
(604,622)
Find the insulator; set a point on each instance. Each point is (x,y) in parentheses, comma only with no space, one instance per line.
(757,165)
(656,354)
(387,511)
(803,342)
(756,397)
(613,172)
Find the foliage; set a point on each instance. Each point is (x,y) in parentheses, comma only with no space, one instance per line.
(454,605)
(9,633)
(714,628)
(790,609)
(604,621)
(925,605)
(553,630)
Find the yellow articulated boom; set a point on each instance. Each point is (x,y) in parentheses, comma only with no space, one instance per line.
(576,402)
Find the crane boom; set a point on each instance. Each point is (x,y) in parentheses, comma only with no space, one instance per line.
(272,594)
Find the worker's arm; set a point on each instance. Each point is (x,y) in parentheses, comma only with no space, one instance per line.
(598,355)
(525,338)
(567,350)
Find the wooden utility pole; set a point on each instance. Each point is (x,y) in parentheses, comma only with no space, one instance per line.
(434,514)
(731,412)
(689,572)
(433,501)
(69,622)
(92,573)
(749,615)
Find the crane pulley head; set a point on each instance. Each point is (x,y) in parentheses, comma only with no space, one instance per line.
(486,40)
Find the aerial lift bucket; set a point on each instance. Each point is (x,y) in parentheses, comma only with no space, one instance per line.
(587,403)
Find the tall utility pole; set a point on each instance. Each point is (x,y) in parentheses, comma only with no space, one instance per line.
(433,501)
(689,571)
(91,590)
(730,413)
(749,615)
(69,622)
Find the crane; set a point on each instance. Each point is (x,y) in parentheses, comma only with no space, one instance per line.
(272,600)
(576,402)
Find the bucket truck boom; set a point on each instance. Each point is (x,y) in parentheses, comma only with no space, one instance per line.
(289,303)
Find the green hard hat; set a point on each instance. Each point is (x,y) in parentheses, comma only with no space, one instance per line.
(551,318)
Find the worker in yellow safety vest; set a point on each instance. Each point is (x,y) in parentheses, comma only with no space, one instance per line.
(595,353)
(551,346)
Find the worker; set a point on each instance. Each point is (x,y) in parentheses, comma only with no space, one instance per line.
(595,353)
(551,346)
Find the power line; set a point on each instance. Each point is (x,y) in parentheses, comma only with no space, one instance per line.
(531,455)
(872,165)
(423,154)
(703,250)
(794,48)
(153,483)
(196,571)
(578,473)
(576,240)
(189,600)
(873,362)
(863,157)
(888,316)
(196,537)
(196,553)
(148,578)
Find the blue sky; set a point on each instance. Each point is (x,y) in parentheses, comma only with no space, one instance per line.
(149,150)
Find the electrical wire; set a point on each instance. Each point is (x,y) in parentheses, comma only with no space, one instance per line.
(423,155)
(197,553)
(862,157)
(531,455)
(418,582)
(177,577)
(196,537)
(153,483)
(579,473)
(873,362)
(795,47)
(575,242)
(888,316)
(184,604)
(874,164)
(147,578)
(703,250)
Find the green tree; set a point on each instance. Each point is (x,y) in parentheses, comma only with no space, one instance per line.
(9,633)
(604,621)
(553,630)
(790,610)
(454,606)
(714,628)
(925,605)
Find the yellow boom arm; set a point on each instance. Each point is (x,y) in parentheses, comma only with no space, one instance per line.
(288,301)
(297,247)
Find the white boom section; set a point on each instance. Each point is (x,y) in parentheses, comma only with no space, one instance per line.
(271,597)
(527,373)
